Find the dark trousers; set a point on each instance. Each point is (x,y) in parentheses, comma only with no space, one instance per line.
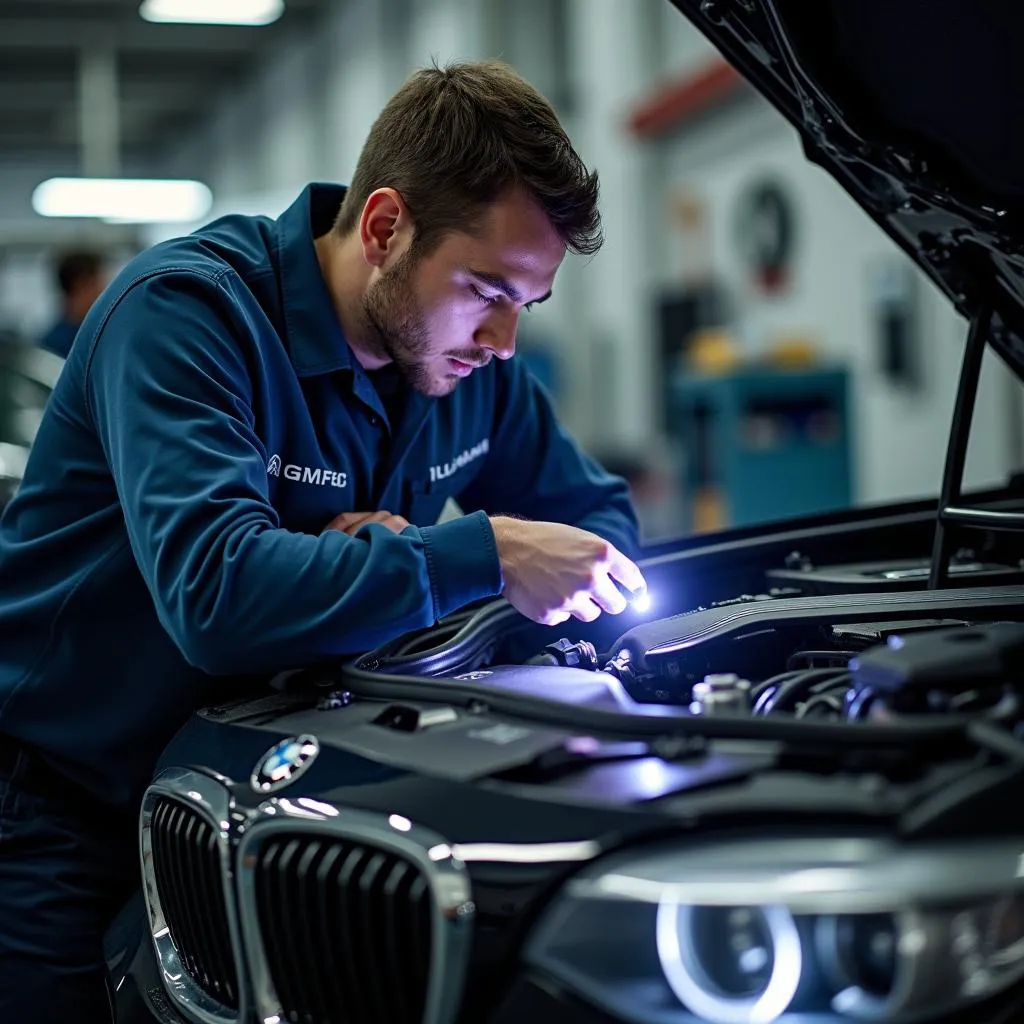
(66,866)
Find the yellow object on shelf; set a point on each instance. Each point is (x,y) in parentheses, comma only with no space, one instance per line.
(713,351)
(709,510)
(793,352)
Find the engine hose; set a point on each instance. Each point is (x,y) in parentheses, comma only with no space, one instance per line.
(789,693)
(472,636)
(833,701)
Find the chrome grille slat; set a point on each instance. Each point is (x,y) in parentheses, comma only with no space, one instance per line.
(345,928)
(222,951)
(419,922)
(190,884)
(173,884)
(277,945)
(348,930)
(396,890)
(184,826)
(371,914)
(307,904)
(328,922)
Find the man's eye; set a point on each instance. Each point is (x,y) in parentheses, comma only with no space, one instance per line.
(487,300)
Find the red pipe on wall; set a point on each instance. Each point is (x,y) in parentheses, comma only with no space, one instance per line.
(673,104)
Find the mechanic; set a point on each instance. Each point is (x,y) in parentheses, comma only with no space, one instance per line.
(241,471)
(80,278)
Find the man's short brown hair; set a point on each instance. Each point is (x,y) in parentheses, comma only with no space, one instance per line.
(454,139)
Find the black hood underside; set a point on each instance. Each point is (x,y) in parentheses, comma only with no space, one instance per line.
(913,106)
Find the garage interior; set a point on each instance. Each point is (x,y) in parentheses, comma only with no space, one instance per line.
(723,260)
(782,786)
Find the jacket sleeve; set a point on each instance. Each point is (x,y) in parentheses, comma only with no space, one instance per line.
(170,394)
(535,470)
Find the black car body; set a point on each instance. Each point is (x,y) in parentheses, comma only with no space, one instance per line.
(789,791)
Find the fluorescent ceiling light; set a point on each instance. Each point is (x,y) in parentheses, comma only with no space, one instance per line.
(213,12)
(123,200)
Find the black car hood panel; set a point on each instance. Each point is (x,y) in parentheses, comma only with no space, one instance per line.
(911,106)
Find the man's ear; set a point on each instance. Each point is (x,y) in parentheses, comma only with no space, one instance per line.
(385,228)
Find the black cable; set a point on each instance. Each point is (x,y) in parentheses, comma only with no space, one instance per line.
(995,739)
(770,682)
(829,684)
(859,702)
(474,633)
(763,699)
(832,700)
(788,695)
(758,695)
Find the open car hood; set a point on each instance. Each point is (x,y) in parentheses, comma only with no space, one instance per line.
(911,105)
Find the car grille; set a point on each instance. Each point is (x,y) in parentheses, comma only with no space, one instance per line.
(346,929)
(190,884)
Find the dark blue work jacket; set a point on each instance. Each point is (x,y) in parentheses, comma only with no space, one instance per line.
(209,422)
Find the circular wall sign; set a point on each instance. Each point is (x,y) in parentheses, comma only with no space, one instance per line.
(765,228)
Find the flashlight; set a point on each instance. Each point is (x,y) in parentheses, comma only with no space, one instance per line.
(639,600)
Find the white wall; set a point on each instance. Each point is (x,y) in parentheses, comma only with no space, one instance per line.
(613,67)
(899,434)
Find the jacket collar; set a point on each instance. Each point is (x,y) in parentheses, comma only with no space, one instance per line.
(315,339)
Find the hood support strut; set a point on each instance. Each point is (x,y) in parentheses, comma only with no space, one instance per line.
(952,517)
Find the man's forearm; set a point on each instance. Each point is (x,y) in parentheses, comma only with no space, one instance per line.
(271,599)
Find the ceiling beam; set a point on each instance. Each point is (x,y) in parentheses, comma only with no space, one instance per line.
(38,34)
(27,96)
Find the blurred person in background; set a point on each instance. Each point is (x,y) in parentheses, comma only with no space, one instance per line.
(80,278)
(241,471)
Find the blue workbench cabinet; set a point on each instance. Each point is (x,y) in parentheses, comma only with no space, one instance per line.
(761,443)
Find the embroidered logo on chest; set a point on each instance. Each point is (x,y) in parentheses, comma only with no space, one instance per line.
(306,474)
(447,469)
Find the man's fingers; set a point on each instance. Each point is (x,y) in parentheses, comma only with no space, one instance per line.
(356,525)
(346,521)
(352,522)
(396,524)
(607,596)
(626,572)
(552,618)
(584,609)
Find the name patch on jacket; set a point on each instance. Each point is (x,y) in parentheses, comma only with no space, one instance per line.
(445,470)
(306,474)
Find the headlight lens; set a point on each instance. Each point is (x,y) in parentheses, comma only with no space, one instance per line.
(753,931)
(730,964)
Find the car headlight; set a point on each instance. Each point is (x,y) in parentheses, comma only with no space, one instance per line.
(751,931)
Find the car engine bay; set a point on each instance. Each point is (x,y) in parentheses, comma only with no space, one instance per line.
(801,648)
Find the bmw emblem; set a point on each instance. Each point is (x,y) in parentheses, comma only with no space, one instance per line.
(283,763)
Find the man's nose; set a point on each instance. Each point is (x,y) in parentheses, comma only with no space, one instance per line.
(498,334)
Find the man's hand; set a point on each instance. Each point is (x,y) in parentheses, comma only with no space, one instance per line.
(351,522)
(554,571)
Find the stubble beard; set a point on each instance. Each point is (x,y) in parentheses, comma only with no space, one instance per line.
(396,329)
